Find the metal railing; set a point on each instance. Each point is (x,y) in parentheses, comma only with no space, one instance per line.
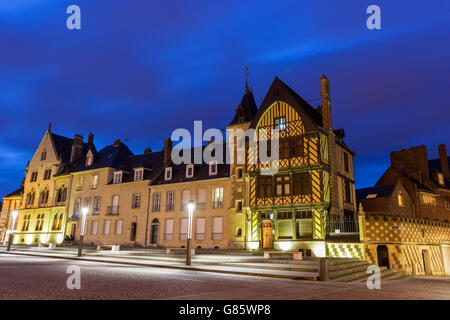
(342,227)
(112,210)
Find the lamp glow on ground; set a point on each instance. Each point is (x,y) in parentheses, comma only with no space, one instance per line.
(84,213)
(14,215)
(191,208)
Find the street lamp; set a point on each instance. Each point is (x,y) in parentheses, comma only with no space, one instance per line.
(191,207)
(11,229)
(84,212)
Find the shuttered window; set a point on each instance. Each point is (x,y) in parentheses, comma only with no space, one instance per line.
(200,229)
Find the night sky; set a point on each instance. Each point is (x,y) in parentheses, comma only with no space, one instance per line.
(139,69)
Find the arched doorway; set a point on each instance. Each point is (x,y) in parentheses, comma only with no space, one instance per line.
(154,231)
(267,234)
(383,256)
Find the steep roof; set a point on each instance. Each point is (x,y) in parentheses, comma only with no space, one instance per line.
(17,192)
(376,191)
(248,107)
(152,162)
(63,146)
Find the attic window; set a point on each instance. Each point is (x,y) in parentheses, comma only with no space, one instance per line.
(441,179)
(371,196)
(89,161)
(117,177)
(213,168)
(189,171)
(138,174)
(280,123)
(401,200)
(43,155)
(168,174)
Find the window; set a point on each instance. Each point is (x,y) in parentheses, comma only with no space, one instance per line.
(156,202)
(284,149)
(43,197)
(401,200)
(201,198)
(40,222)
(119,224)
(30,197)
(168,174)
(347,191)
(218,197)
(189,171)
(77,207)
(94,181)
(170,201)
(26,222)
(297,149)
(136,202)
(43,155)
(212,168)
(441,179)
(280,123)
(168,231)
(138,174)
(185,198)
(238,232)
(80,183)
(47,174)
(96,208)
(217,228)
(57,221)
(447,205)
(94,227)
(200,229)
(302,183)
(239,206)
(33,176)
(114,209)
(428,199)
(61,194)
(87,204)
(89,161)
(106,227)
(264,186)
(346,165)
(239,173)
(283,185)
(183,229)
(117,177)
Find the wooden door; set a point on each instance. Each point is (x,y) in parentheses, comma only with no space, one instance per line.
(267,234)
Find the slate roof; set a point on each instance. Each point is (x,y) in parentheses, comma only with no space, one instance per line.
(380,191)
(17,192)
(201,171)
(63,146)
(249,107)
(152,162)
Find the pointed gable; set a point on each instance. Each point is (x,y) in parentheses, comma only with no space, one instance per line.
(247,109)
(279,91)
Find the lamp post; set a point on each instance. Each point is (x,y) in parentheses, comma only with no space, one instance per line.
(11,229)
(84,212)
(191,207)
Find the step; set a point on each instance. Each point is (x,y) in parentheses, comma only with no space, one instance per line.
(396,276)
(385,274)
(337,261)
(354,276)
(314,262)
(273,266)
(348,265)
(350,270)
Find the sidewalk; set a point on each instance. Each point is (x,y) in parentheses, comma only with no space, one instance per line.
(231,264)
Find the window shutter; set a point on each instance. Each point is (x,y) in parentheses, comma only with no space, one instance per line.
(200,225)
(217,224)
(201,196)
(169,226)
(183,225)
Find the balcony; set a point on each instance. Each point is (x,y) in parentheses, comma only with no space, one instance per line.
(200,206)
(217,204)
(112,210)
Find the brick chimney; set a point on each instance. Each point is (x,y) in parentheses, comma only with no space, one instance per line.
(326,103)
(412,162)
(77,148)
(91,139)
(167,152)
(444,161)
(147,150)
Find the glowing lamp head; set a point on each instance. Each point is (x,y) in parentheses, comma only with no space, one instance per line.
(85,210)
(191,206)
(14,214)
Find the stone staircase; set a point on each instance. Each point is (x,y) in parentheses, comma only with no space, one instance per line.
(353,269)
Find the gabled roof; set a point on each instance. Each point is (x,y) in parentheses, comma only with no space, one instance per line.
(248,106)
(281,91)
(63,146)
(375,192)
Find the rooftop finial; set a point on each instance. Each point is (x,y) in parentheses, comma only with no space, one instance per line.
(246,78)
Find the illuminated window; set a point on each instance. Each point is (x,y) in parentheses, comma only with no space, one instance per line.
(280,123)
(401,200)
(94,181)
(218,197)
(57,221)
(26,222)
(89,161)
(441,179)
(428,199)
(40,222)
(283,186)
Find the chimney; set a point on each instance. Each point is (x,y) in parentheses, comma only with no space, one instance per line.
(167,152)
(147,150)
(91,139)
(117,143)
(77,148)
(326,102)
(412,162)
(444,161)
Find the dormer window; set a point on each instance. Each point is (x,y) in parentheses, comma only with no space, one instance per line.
(117,177)
(189,171)
(138,174)
(168,174)
(89,161)
(441,179)
(213,168)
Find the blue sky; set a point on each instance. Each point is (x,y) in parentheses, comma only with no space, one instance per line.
(139,69)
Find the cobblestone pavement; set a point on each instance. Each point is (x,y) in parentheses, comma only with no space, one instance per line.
(24,277)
